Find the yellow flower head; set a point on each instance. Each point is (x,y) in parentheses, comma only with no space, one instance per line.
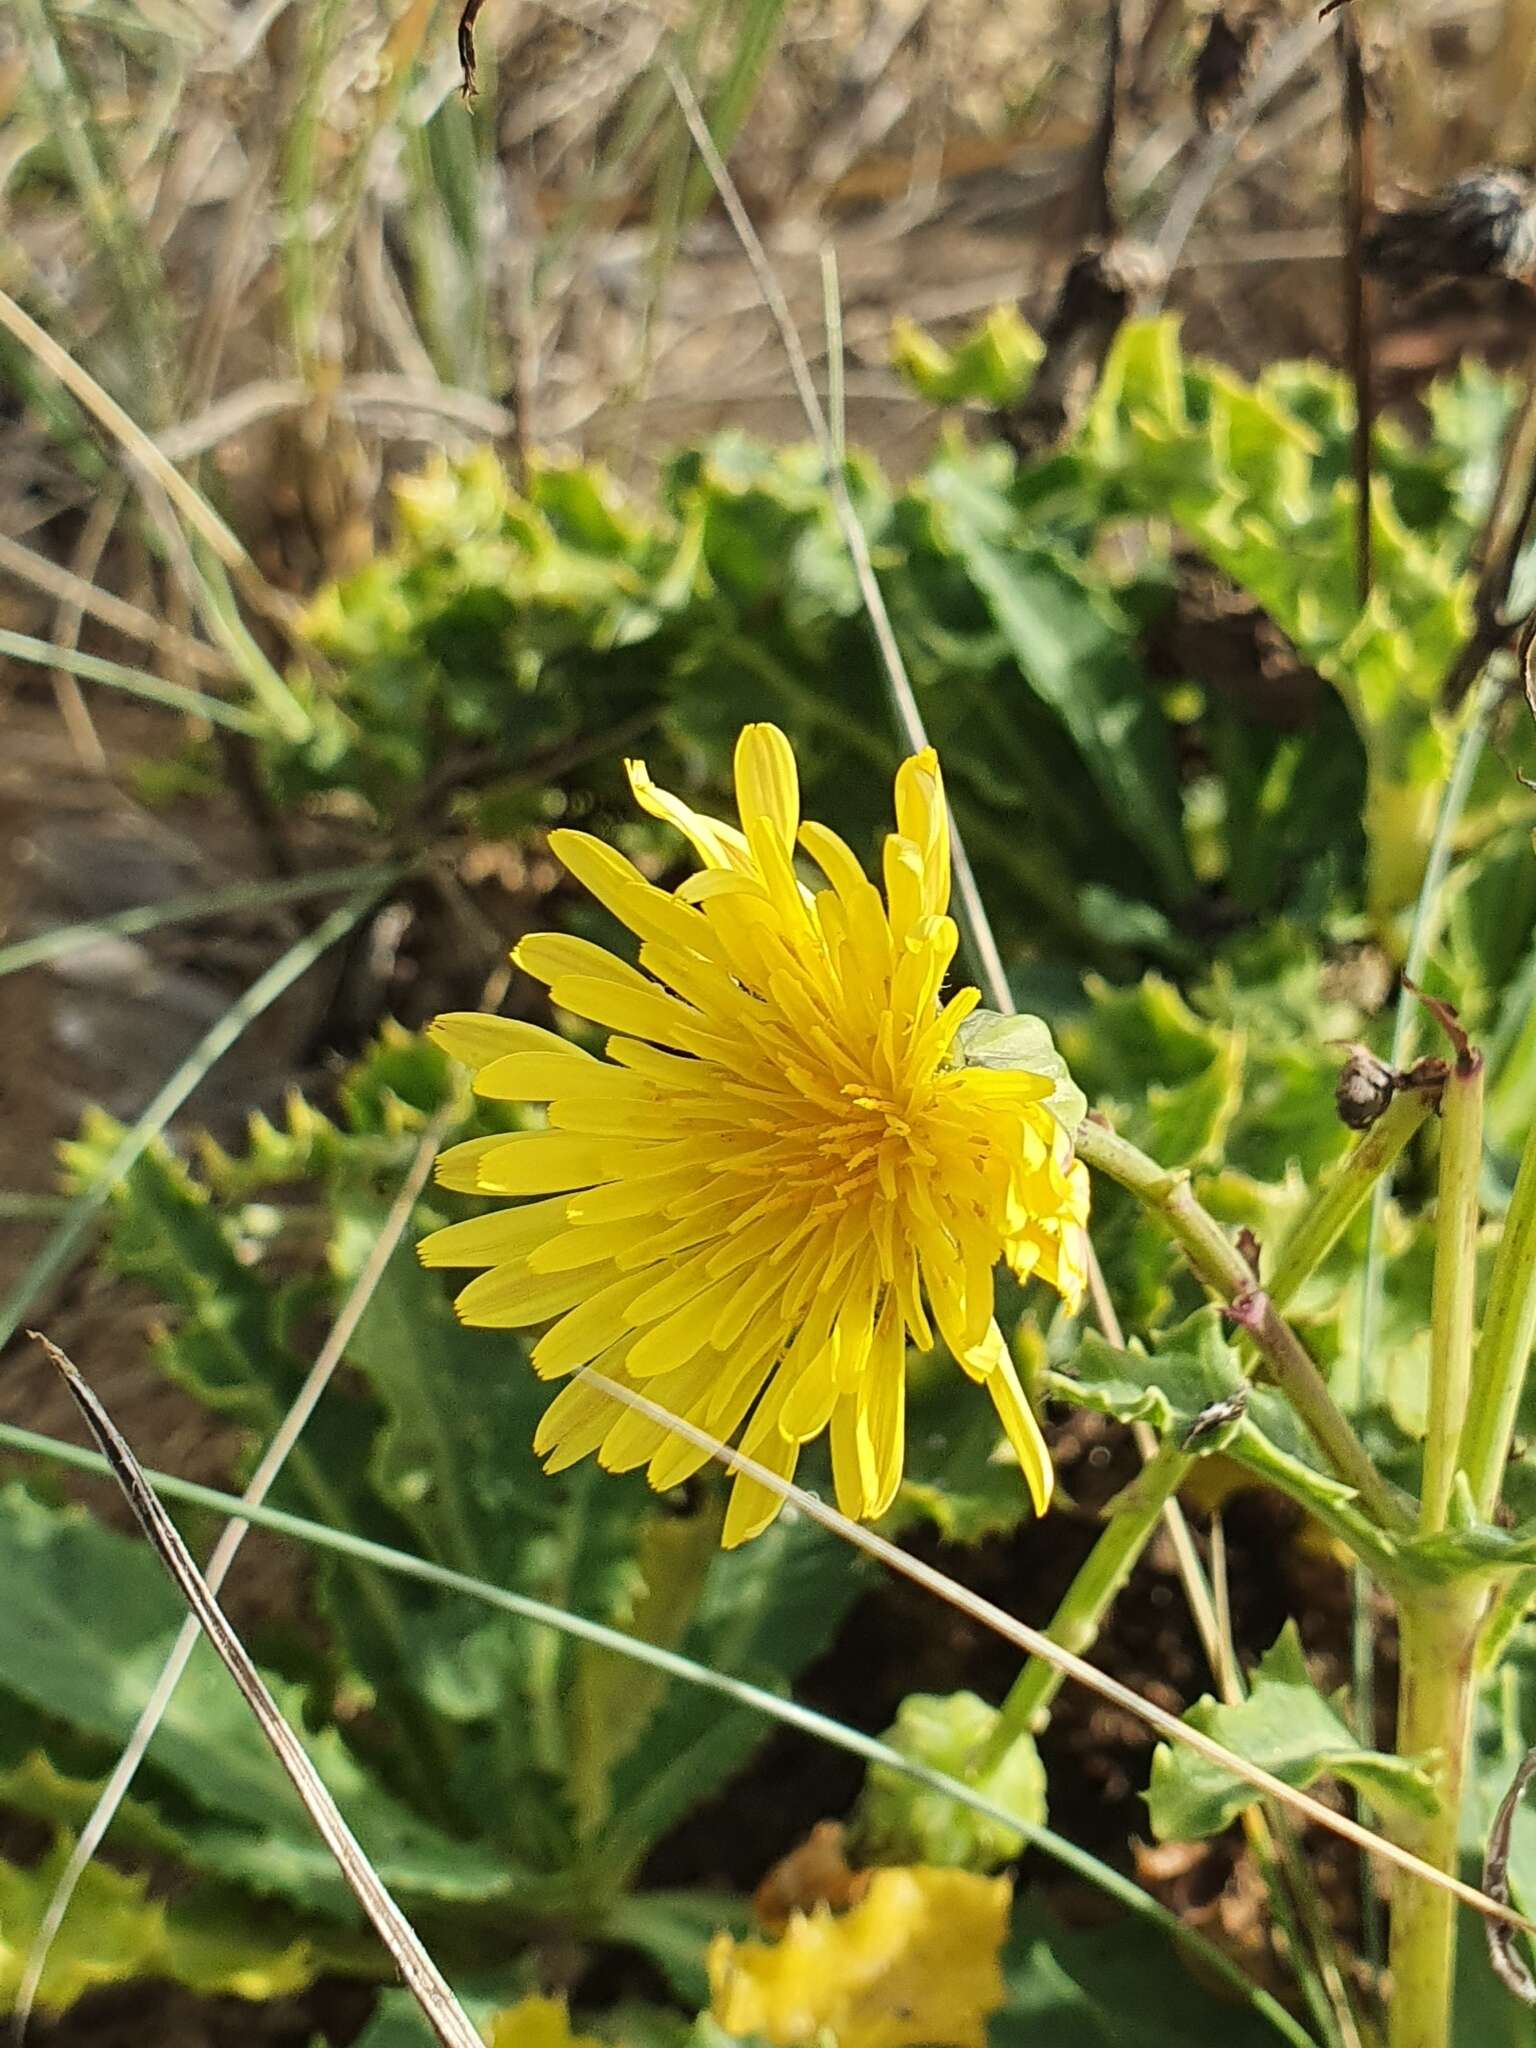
(783,1171)
(914,1965)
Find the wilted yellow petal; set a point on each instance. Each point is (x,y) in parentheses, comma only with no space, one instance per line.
(913,1965)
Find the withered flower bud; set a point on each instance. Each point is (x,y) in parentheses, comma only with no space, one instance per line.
(1366,1087)
(1482,225)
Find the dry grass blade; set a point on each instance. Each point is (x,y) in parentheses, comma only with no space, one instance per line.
(116,1789)
(1034,1644)
(129,435)
(446,2017)
(128,619)
(1357,206)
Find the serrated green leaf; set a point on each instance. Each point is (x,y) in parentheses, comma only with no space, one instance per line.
(116,1933)
(1188,1370)
(995,363)
(1287,1728)
(87,1622)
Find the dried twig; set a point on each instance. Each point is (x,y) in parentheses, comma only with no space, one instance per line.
(467,47)
(1509,1966)
(446,2017)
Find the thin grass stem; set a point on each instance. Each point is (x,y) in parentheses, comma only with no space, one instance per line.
(981,942)
(258,1486)
(94,668)
(148,917)
(425,1982)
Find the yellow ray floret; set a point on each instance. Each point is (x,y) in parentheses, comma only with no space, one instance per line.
(783,1173)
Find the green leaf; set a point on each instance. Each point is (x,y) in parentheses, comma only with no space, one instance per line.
(615,1699)
(764,1612)
(1167,1077)
(1120,1986)
(398,2021)
(87,1622)
(115,1933)
(1189,1369)
(995,363)
(1287,1728)
(1078,657)
(674,1929)
(1020,1044)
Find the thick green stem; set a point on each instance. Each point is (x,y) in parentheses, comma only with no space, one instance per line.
(1454,1298)
(1222,1267)
(1504,1348)
(1437,1643)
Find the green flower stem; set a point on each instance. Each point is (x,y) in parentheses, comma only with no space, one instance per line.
(1453,1301)
(1437,1637)
(1504,1348)
(1325,1222)
(1088,1599)
(1222,1267)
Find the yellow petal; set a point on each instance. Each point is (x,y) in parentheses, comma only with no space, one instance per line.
(854,1474)
(494,1239)
(767,783)
(535,1076)
(1022,1430)
(459,1166)
(619,885)
(717,845)
(641,1009)
(548,956)
(753,1505)
(923,818)
(545,1163)
(511,1297)
(477,1038)
(916,1961)
(590,1328)
(537,2023)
